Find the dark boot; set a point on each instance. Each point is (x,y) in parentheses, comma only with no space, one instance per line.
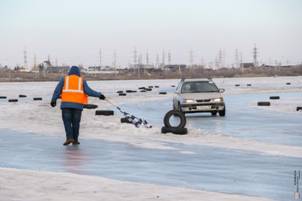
(76,142)
(68,141)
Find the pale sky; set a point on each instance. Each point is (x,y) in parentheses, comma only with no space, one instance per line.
(73,31)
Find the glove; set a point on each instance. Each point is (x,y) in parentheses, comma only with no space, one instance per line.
(53,103)
(102,97)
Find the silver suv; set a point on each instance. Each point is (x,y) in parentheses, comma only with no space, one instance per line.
(199,95)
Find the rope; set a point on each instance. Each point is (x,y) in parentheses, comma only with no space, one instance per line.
(132,119)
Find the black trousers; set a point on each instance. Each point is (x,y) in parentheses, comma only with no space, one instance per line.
(72,119)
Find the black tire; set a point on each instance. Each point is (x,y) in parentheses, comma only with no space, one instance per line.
(122,94)
(177,131)
(90,106)
(130,91)
(214,113)
(274,97)
(162,92)
(249,85)
(141,88)
(143,91)
(148,89)
(264,103)
(22,96)
(37,99)
(288,83)
(156,86)
(179,114)
(3,97)
(299,108)
(237,85)
(12,100)
(222,112)
(125,120)
(104,112)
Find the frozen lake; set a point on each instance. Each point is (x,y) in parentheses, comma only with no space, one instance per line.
(252,151)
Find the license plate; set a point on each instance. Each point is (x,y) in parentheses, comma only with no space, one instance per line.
(205,107)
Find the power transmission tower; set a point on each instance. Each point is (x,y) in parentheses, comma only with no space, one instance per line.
(163,58)
(237,65)
(169,57)
(157,60)
(114,59)
(255,55)
(134,57)
(25,58)
(147,57)
(35,63)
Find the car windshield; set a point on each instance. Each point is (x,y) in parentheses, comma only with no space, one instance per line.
(199,87)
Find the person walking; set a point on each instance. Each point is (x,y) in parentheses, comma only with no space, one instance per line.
(74,92)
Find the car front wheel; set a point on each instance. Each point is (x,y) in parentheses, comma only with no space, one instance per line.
(222,113)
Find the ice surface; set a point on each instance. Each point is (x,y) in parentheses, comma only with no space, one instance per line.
(272,134)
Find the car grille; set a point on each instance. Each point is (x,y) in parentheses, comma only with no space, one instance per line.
(203,100)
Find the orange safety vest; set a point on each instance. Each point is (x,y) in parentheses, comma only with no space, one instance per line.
(73,90)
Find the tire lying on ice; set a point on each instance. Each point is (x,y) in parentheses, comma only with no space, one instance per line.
(177,131)
(37,99)
(299,108)
(122,94)
(12,100)
(274,97)
(104,112)
(2,97)
(162,92)
(131,91)
(264,103)
(119,92)
(288,83)
(237,85)
(141,88)
(180,115)
(156,86)
(90,106)
(22,96)
(248,85)
(125,120)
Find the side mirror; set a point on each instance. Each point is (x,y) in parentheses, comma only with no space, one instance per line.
(221,90)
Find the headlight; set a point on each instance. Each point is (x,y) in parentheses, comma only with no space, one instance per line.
(218,99)
(189,101)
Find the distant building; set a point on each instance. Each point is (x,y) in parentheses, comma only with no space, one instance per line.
(175,67)
(57,69)
(94,68)
(247,65)
(142,66)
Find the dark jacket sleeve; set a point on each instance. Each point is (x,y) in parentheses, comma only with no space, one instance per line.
(58,90)
(89,91)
